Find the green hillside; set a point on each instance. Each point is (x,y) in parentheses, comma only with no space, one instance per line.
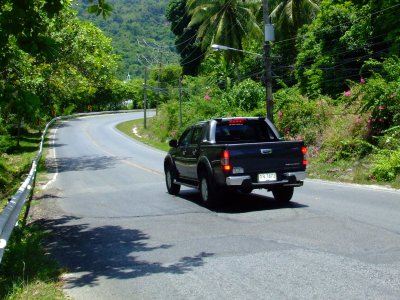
(132,24)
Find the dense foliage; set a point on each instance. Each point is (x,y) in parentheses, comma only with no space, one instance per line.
(335,84)
(51,64)
(344,35)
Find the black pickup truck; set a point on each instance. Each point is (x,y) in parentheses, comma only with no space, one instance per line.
(235,153)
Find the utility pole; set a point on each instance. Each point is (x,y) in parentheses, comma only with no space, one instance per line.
(159,79)
(268,37)
(145,96)
(180,101)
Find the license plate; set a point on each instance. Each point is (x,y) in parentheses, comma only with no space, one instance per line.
(266,177)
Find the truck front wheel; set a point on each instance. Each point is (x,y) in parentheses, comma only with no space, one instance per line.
(172,187)
(208,191)
(283,193)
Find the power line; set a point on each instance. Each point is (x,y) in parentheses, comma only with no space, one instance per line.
(346,23)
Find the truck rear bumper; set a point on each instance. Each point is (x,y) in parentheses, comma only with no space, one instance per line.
(290,178)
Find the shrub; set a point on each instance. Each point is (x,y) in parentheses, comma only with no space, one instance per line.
(245,99)
(387,165)
(299,116)
(246,96)
(380,94)
(343,135)
(6,143)
(165,124)
(390,139)
(353,149)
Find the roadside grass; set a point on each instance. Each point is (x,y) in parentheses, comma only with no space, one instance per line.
(142,134)
(15,165)
(342,171)
(26,270)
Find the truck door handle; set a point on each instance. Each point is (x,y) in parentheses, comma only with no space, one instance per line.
(266,151)
(194,152)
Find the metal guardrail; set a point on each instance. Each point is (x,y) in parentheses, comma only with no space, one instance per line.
(9,216)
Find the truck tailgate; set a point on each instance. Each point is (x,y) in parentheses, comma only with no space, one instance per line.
(281,156)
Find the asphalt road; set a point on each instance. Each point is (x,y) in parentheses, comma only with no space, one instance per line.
(121,236)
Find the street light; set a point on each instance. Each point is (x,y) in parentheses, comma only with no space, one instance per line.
(267,80)
(269,36)
(216,47)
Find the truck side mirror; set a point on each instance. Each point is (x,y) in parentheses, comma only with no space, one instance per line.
(173,143)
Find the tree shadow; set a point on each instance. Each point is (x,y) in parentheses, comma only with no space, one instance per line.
(30,137)
(51,142)
(237,202)
(83,163)
(55,145)
(107,252)
(22,149)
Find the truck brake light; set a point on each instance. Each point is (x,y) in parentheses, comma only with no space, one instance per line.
(225,161)
(304,151)
(237,121)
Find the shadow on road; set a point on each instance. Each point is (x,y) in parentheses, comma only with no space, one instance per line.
(83,163)
(107,252)
(236,202)
(51,142)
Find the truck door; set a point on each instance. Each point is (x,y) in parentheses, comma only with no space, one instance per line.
(181,153)
(193,151)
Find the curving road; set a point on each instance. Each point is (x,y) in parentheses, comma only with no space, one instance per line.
(121,236)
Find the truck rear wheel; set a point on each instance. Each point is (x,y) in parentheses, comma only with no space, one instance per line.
(208,191)
(172,187)
(283,193)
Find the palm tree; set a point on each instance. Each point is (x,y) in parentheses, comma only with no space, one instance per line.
(290,15)
(224,22)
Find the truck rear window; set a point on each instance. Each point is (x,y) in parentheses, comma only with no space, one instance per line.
(249,131)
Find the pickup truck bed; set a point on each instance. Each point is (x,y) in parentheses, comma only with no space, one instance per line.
(235,153)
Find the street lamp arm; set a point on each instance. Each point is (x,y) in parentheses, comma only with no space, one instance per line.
(216,47)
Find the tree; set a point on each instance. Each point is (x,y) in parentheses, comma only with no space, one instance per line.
(290,15)
(387,23)
(23,44)
(49,61)
(100,8)
(225,22)
(333,48)
(186,45)
(85,67)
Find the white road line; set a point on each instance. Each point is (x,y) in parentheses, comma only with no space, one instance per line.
(355,185)
(55,161)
